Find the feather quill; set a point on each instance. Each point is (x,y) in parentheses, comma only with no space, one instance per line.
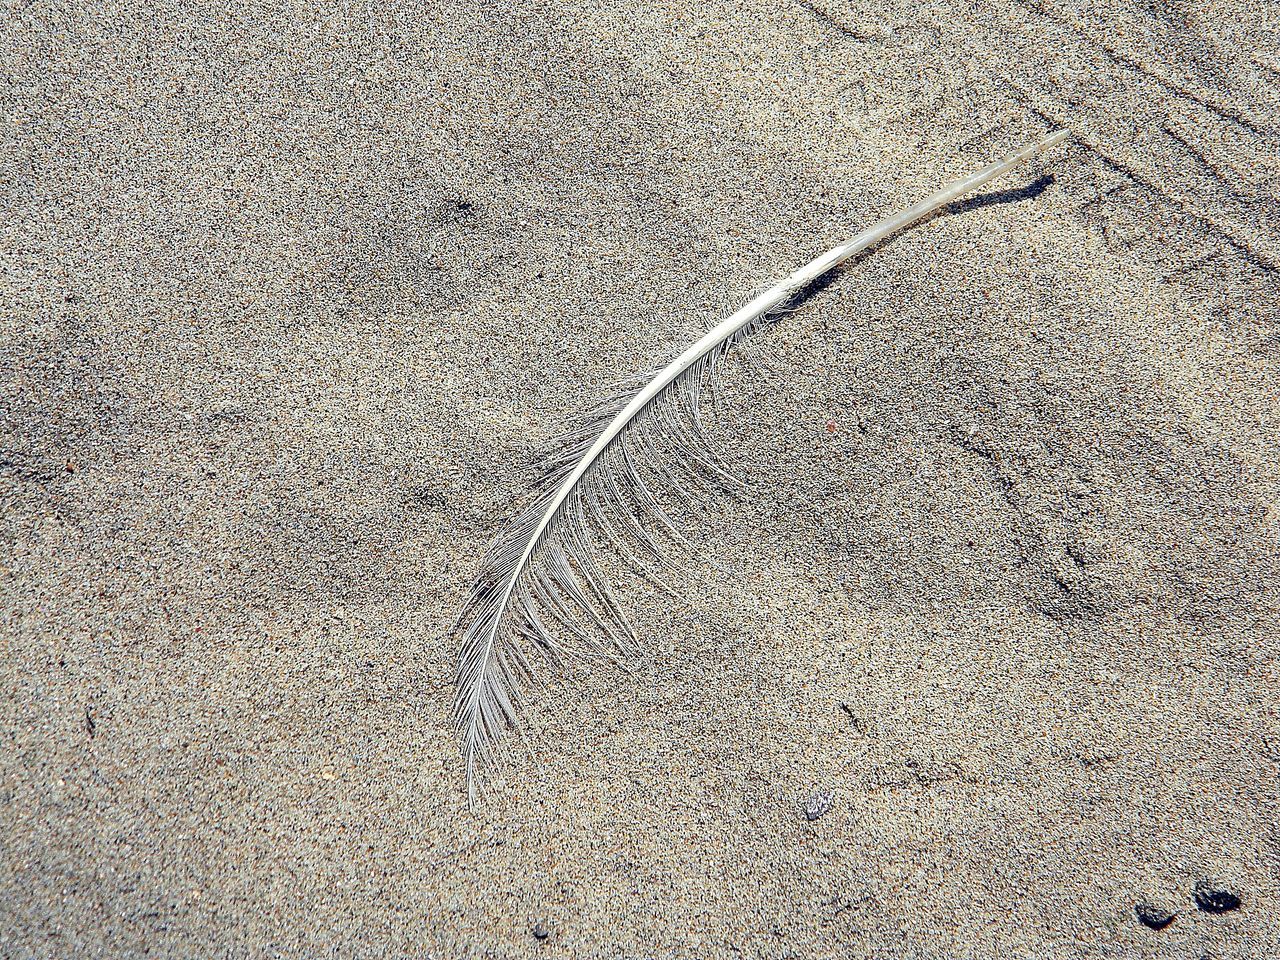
(540,587)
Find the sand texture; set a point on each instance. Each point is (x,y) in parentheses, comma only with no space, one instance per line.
(291,299)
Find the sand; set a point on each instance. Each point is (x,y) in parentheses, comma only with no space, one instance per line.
(291,299)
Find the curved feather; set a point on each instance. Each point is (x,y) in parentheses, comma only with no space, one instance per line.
(540,585)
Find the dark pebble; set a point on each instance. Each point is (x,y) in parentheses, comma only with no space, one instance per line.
(1213,899)
(1154,917)
(540,930)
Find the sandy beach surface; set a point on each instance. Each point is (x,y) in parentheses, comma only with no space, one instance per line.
(291,298)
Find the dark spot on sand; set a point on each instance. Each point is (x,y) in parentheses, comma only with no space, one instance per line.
(427,498)
(1157,918)
(540,930)
(1214,899)
(854,720)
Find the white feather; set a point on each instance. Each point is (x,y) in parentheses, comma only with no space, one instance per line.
(540,567)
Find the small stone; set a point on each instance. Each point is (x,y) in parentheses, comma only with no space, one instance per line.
(817,804)
(540,930)
(1213,899)
(1157,918)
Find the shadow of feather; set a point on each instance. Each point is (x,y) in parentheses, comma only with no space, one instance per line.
(1029,192)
